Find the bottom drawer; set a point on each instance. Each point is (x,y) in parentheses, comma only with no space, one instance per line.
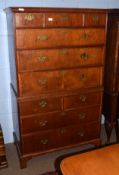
(51,139)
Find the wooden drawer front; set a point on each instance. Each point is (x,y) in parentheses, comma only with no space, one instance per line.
(63,19)
(47,38)
(59,119)
(83,78)
(57,58)
(29,20)
(39,106)
(32,83)
(83,99)
(60,137)
(94,19)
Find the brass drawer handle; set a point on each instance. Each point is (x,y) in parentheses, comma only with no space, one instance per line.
(63,51)
(29,17)
(81,134)
(64,17)
(82,115)
(42,37)
(42,59)
(43,103)
(82,77)
(85,36)
(83,98)
(63,130)
(44,141)
(95,19)
(43,123)
(84,56)
(43,82)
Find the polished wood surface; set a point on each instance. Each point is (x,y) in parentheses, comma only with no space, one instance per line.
(52,38)
(111,76)
(57,77)
(100,162)
(49,59)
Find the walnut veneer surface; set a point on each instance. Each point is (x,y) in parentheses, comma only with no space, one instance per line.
(57,77)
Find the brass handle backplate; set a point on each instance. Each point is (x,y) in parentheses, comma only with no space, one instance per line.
(82,115)
(43,103)
(82,77)
(85,36)
(43,123)
(42,37)
(95,19)
(83,98)
(42,59)
(84,56)
(44,141)
(29,17)
(64,17)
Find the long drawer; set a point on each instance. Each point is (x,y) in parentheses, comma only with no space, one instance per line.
(48,38)
(61,137)
(57,58)
(50,104)
(39,122)
(32,83)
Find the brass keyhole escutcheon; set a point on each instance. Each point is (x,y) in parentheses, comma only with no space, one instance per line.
(82,98)
(29,17)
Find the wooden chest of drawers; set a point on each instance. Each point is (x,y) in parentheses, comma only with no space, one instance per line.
(57,77)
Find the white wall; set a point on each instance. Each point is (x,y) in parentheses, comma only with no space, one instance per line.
(5,98)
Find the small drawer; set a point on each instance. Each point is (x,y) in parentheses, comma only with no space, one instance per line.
(31,124)
(25,20)
(82,99)
(83,78)
(94,19)
(41,105)
(52,38)
(63,19)
(49,59)
(32,83)
(51,139)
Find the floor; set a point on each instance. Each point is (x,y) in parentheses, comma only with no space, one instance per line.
(41,164)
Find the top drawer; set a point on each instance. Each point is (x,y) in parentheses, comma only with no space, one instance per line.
(94,19)
(29,20)
(63,19)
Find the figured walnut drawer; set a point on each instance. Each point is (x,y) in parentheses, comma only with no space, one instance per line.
(51,139)
(57,58)
(94,19)
(41,105)
(53,120)
(82,99)
(48,38)
(29,20)
(82,78)
(32,83)
(63,19)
